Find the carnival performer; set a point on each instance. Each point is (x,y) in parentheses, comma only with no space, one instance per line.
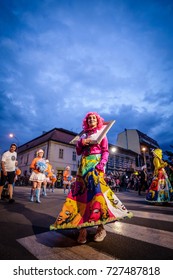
(48,175)
(66,179)
(53,179)
(91,202)
(38,167)
(160,190)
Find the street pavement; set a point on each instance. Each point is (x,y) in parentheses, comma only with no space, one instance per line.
(25,234)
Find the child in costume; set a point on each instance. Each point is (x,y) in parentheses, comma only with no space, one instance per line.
(91,202)
(38,167)
(160,189)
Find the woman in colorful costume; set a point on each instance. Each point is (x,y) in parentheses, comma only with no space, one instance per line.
(160,190)
(91,202)
(38,167)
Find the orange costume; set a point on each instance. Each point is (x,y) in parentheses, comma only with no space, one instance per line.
(38,166)
(34,164)
(48,171)
(66,174)
(67,178)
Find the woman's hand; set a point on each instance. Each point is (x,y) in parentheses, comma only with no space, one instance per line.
(86,141)
(100,166)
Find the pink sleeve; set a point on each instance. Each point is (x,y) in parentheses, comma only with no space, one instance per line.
(104,154)
(79,147)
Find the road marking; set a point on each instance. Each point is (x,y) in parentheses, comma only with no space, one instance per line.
(154,236)
(56,246)
(153,216)
(53,245)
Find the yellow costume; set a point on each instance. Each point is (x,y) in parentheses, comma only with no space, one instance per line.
(160,190)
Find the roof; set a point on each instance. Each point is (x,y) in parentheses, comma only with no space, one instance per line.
(144,137)
(56,134)
(147,138)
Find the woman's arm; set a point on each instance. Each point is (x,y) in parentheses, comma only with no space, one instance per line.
(81,144)
(104,154)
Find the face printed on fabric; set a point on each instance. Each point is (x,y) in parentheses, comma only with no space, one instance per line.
(92,121)
(65,215)
(95,212)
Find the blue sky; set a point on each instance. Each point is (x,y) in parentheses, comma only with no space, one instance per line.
(63,58)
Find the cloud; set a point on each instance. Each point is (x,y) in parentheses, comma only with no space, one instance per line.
(61,59)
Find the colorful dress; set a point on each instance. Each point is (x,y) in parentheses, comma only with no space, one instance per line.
(90,202)
(160,190)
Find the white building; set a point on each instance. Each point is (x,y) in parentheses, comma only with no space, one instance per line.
(57,149)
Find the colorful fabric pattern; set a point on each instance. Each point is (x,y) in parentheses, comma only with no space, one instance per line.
(90,202)
(160,190)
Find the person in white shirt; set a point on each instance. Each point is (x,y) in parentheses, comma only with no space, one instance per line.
(8,166)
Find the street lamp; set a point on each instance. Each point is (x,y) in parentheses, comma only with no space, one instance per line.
(11,135)
(144,150)
(113,150)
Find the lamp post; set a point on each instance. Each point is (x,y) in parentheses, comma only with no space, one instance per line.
(11,135)
(113,150)
(144,150)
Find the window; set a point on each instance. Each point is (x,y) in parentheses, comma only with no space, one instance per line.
(61,153)
(111,162)
(74,156)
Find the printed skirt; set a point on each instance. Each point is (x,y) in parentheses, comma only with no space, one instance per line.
(160,190)
(90,202)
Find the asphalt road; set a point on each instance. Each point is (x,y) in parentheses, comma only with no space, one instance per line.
(24,227)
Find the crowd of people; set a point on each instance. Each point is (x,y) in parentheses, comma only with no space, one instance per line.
(42,175)
(90,198)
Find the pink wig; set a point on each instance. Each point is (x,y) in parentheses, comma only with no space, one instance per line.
(100,121)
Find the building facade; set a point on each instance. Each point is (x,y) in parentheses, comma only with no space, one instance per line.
(141,144)
(132,151)
(56,147)
(121,161)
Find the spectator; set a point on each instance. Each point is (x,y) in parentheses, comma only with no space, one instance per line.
(8,166)
(143,185)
